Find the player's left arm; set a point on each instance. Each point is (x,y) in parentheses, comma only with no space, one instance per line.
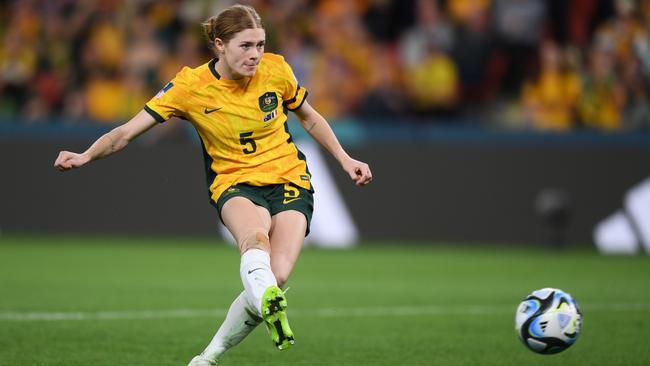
(321,131)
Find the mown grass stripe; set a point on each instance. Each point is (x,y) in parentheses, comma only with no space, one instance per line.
(395,311)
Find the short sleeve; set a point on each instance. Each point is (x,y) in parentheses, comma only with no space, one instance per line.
(168,102)
(294,94)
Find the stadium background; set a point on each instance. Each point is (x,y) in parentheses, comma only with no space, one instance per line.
(480,110)
(514,125)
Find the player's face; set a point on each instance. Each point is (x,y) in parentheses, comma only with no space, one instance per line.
(243,52)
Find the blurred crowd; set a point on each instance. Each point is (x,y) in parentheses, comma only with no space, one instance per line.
(533,64)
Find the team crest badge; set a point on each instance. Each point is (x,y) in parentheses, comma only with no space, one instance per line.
(268,102)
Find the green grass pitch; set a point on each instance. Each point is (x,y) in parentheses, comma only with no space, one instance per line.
(115,301)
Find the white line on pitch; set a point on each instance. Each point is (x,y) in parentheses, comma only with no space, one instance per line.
(109,315)
(322,312)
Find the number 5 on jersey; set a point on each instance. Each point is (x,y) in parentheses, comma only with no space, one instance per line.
(246,140)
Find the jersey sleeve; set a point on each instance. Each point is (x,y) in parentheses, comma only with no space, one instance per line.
(169,102)
(294,94)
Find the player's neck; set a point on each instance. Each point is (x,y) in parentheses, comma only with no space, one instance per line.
(226,73)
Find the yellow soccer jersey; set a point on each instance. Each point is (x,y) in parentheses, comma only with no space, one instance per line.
(242,125)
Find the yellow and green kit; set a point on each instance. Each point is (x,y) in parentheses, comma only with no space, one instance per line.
(242,124)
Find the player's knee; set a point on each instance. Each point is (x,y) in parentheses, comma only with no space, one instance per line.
(256,239)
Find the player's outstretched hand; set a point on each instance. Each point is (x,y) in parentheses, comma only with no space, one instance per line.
(358,171)
(68,160)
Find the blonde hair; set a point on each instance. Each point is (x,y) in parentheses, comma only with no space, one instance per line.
(229,22)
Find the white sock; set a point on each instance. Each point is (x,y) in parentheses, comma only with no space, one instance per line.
(239,323)
(256,274)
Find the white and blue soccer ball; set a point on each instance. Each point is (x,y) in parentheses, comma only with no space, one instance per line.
(548,321)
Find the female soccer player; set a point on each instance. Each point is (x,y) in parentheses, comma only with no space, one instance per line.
(258,179)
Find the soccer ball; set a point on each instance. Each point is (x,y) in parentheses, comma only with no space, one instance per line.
(548,321)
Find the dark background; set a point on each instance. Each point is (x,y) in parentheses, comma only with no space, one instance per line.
(478,190)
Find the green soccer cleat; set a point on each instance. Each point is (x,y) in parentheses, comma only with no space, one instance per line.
(274,305)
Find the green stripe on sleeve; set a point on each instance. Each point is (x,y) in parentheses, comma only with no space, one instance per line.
(301,102)
(154,114)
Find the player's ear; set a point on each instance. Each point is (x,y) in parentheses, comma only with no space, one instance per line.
(219,45)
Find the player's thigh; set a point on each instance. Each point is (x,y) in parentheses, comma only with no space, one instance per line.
(287,237)
(243,218)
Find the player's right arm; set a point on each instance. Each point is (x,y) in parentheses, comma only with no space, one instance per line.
(107,144)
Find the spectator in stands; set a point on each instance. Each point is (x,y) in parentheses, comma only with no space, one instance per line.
(106,46)
(432,83)
(518,25)
(626,36)
(61,58)
(636,114)
(550,97)
(383,100)
(430,75)
(341,70)
(143,51)
(45,96)
(104,96)
(188,50)
(642,44)
(603,95)
(480,68)
(621,32)
(18,60)
(638,77)
(431,29)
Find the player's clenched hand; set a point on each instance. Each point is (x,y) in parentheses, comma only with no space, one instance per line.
(68,160)
(358,171)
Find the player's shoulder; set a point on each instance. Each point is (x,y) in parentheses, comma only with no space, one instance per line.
(273,61)
(191,77)
(273,58)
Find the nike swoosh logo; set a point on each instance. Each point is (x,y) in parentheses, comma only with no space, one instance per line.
(208,111)
(289,200)
(253,270)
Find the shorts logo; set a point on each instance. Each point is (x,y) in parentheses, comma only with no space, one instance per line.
(287,201)
(268,102)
